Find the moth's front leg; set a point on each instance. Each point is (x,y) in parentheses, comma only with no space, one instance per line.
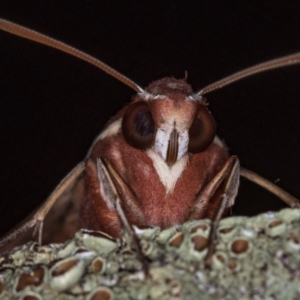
(110,188)
(207,201)
(217,196)
(99,206)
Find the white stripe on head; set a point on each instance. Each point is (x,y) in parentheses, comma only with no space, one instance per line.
(167,175)
(183,142)
(149,97)
(161,142)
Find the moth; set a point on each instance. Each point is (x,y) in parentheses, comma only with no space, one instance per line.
(158,161)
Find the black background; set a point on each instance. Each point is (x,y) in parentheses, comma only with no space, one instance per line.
(53,105)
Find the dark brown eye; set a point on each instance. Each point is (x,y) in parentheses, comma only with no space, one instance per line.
(202,131)
(138,126)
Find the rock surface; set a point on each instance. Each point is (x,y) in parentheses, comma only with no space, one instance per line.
(255,258)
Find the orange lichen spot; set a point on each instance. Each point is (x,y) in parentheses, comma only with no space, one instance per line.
(232,265)
(127,252)
(275,223)
(176,240)
(200,226)
(102,294)
(34,278)
(64,267)
(221,258)
(294,239)
(240,246)
(200,242)
(81,250)
(97,265)
(226,230)
(30,297)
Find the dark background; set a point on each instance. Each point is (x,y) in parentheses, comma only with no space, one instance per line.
(53,105)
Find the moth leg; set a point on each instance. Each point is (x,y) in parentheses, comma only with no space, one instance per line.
(227,196)
(218,195)
(271,187)
(130,204)
(106,173)
(207,200)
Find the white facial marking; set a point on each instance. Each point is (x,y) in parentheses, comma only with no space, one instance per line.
(183,142)
(167,175)
(161,142)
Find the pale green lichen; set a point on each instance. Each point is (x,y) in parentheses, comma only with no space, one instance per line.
(254,258)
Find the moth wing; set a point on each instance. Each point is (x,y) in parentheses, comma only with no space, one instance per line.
(62,220)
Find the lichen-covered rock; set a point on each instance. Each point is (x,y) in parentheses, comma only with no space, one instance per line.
(255,258)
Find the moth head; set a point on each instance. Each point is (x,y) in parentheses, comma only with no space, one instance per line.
(168,119)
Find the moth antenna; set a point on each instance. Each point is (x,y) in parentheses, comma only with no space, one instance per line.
(104,176)
(271,187)
(266,66)
(33,35)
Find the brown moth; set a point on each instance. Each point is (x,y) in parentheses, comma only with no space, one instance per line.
(158,162)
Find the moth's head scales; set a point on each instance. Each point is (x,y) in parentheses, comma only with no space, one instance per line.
(168,87)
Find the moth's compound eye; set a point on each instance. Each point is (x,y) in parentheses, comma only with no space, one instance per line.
(138,126)
(202,131)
